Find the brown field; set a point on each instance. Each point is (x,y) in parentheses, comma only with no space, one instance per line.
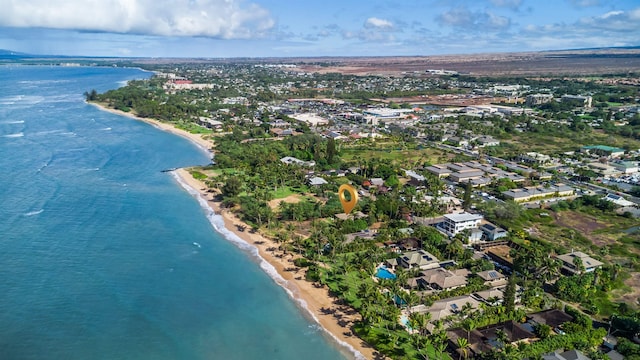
(584,224)
(291,199)
(569,62)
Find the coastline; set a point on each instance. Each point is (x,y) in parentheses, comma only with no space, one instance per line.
(204,144)
(335,319)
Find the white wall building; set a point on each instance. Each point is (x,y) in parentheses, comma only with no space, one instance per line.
(454,224)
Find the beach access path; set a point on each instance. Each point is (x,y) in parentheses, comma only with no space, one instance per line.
(336,319)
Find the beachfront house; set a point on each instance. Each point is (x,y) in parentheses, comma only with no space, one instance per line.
(414,259)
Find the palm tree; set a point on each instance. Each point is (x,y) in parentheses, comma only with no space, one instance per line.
(463,346)
(469,325)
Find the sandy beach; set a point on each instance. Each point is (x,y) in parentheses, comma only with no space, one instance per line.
(205,144)
(335,319)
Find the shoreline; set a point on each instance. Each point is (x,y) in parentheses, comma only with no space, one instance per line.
(334,319)
(204,144)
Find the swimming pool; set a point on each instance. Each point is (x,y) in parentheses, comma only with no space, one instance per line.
(383,273)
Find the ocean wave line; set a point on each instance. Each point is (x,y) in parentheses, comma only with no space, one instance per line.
(16,135)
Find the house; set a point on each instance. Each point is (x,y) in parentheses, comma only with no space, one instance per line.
(317,181)
(492,232)
(440,279)
(414,259)
(454,224)
(567,355)
(492,278)
(491,296)
(534,158)
(443,308)
(415,178)
(289,160)
(484,141)
(484,339)
(618,200)
(377,182)
(552,317)
(570,260)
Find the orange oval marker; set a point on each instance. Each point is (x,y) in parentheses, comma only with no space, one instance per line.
(348,205)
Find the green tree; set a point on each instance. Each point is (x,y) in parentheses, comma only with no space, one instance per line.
(232,187)
(466,199)
(510,294)
(331,150)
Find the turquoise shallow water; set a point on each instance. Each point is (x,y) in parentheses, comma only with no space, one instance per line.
(103,256)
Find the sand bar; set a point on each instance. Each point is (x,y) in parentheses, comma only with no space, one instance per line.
(335,319)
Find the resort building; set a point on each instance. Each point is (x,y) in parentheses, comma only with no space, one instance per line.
(453,224)
(572,261)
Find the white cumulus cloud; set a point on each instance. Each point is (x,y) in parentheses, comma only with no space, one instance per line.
(374,22)
(208,18)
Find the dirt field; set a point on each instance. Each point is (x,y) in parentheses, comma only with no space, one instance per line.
(570,62)
(291,199)
(584,224)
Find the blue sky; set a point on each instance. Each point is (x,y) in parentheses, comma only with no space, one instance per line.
(265,28)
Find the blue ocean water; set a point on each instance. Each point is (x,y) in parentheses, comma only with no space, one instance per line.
(103,256)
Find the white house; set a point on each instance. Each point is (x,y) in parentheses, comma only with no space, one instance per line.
(454,224)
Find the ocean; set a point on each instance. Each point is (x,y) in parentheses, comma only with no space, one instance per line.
(104,256)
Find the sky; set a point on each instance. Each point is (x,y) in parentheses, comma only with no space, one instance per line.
(288,28)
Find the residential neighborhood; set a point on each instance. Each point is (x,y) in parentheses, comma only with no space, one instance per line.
(495,220)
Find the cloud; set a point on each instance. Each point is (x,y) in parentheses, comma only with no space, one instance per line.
(374,22)
(462,17)
(618,21)
(228,19)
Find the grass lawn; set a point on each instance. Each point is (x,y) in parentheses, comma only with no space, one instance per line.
(283,192)
(392,152)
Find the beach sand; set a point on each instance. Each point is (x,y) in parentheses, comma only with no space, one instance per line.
(335,319)
(205,144)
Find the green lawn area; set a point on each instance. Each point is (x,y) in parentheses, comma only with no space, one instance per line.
(391,151)
(283,192)
(192,128)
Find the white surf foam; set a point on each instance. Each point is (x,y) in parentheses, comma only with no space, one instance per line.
(32,213)
(218,224)
(13,122)
(16,135)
